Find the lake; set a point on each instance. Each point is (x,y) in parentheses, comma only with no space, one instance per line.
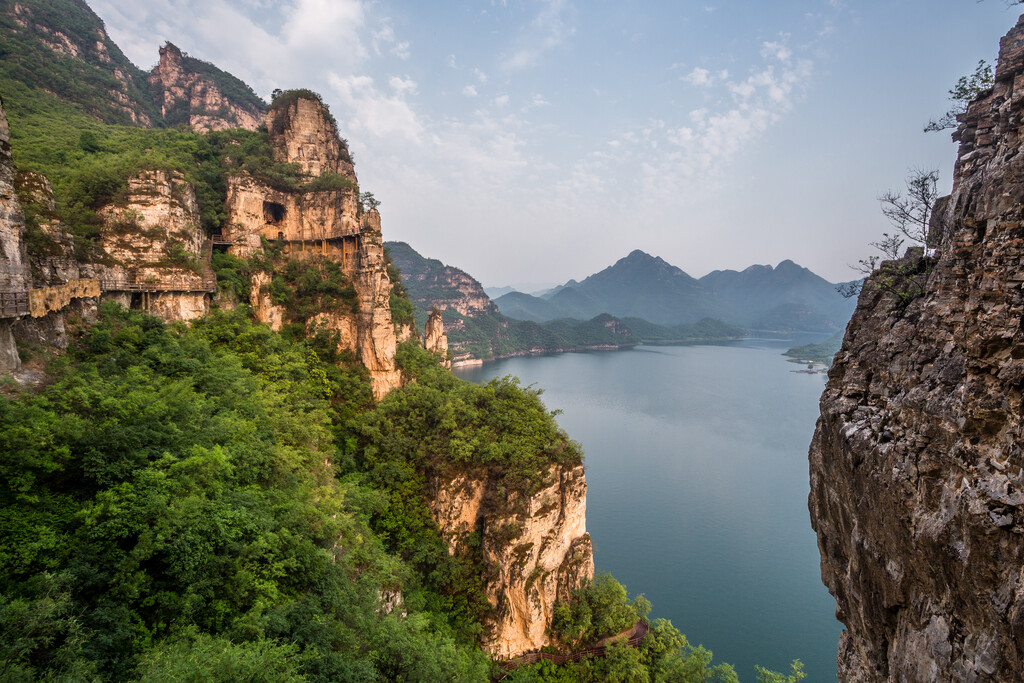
(696,461)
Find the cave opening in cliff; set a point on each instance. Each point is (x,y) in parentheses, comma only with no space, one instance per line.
(273,212)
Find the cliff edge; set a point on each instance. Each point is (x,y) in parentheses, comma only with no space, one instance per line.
(917,487)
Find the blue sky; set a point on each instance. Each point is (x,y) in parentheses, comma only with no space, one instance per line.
(533,141)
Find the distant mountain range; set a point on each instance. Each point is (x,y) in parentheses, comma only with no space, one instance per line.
(477,330)
(785,298)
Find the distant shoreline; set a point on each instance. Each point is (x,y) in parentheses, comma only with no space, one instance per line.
(525,353)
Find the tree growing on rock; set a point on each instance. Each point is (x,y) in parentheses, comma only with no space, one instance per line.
(961,94)
(909,211)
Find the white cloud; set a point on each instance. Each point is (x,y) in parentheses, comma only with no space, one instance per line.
(698,77)
(402,86)
(551,26)
(469,91)
(500,101)
(401,50)
(371,112)
(480,76)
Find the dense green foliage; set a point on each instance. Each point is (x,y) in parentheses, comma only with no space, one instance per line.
(224,503)
(83,83)
(170,499)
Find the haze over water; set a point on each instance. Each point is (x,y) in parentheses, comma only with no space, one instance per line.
(696,462)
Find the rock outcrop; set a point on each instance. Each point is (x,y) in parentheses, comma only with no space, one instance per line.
(14,266)
(325,224)
(155,249)
(536,551)
(184,95)
(73,32)
(917,486)
(434,338)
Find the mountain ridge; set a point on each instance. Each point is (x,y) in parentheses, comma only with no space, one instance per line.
(785,298)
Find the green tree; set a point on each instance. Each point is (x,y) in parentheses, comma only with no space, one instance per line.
(961,95)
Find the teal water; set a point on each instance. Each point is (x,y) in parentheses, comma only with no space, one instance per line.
(696,461)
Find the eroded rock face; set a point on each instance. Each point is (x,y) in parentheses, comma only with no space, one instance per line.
(535,556)
(304,133)
(323,224)
(14,265)
(154,240)
(14,270)
(377,340)
(196,99)
(917,487)
(434,339)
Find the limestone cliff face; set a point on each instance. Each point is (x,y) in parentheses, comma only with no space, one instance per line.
(185,96)
(14,270)
(434,338)
(153,241)
(304,133)
(14,264)
(323,224)
(917,486)
(536,554)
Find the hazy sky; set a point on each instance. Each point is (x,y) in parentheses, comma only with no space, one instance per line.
(533,141)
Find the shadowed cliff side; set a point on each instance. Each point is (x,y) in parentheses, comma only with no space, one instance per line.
(916,463)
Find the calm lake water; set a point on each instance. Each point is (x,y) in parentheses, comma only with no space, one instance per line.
(696,462)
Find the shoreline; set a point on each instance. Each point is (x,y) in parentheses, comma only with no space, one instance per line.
(478,362)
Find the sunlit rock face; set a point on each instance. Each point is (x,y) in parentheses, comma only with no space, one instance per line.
(319,224)
(153,239)
(14,269)
(435,339)
(195,99)
(917,487)
(534,556)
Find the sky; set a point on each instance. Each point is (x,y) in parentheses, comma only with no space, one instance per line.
(533,141)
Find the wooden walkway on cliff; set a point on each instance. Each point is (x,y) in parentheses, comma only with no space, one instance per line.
(636,635)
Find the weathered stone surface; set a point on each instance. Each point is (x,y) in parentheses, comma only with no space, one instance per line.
(206,108)
(322,224)
(304,133)
(155,248)
(14,266)
(52,258)
(917,487)
(376,330)
(549,557)
(434,338)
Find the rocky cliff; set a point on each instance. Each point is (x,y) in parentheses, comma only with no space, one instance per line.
(536,554)
(14,271)
(155,253)
(917,486)
(186,91)
(326,225)
(432,284)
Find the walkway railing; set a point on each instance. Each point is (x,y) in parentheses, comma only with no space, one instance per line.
(205,284)
(13,304)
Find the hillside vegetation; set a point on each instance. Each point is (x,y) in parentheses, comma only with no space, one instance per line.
(221,502)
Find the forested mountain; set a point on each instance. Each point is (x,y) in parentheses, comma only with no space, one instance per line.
(476,329)
(785,298)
